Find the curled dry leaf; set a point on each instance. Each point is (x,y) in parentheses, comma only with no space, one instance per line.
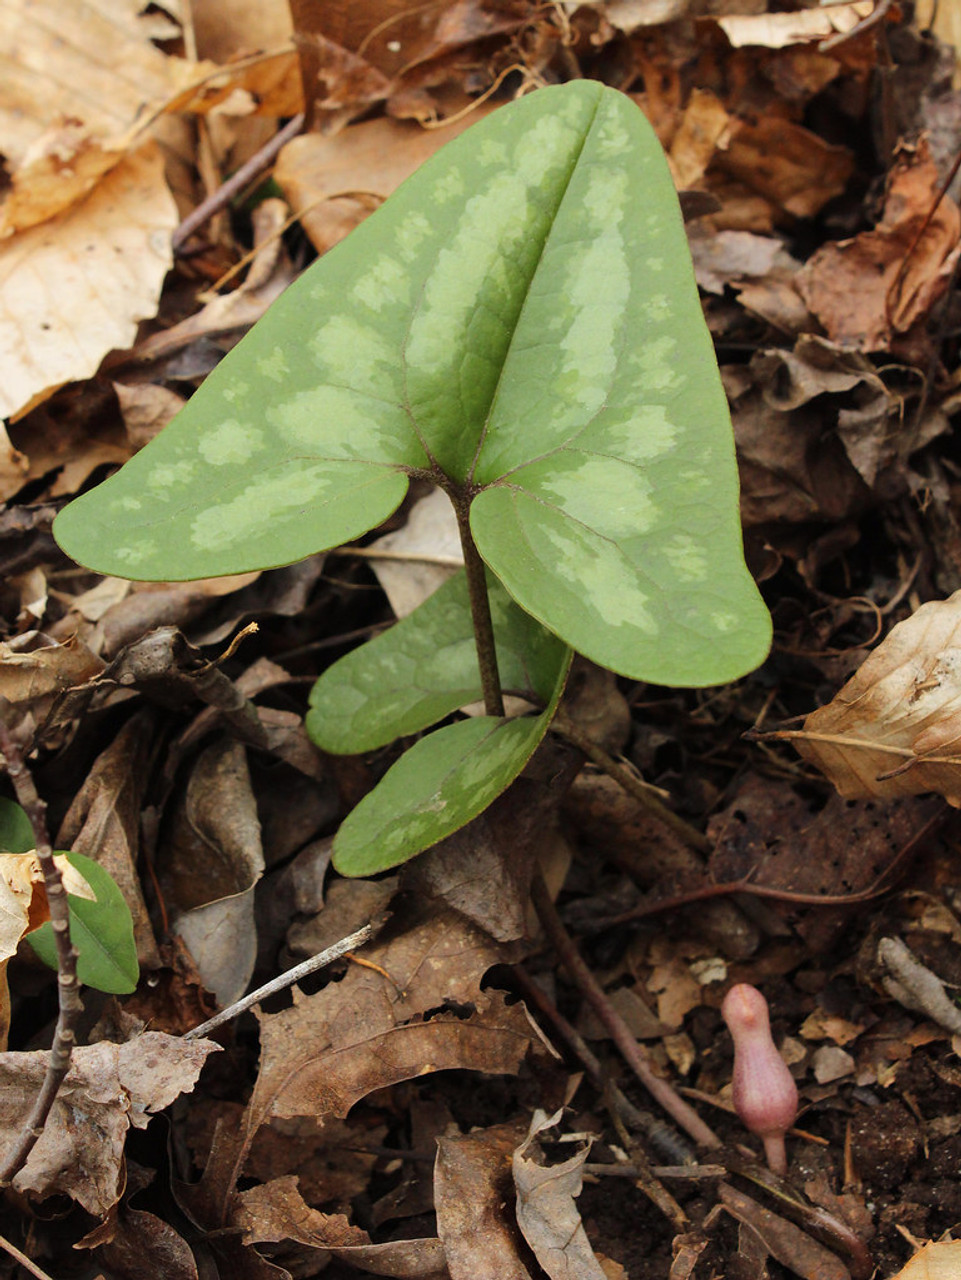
(865,290)
(104,261)
(108,1088)
(23,898)
(546,1212)
(471,1187)
(894,729)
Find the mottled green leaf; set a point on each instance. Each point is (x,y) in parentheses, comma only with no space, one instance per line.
(101,930)
(16,833)
(425,667)
(519,321)
(437,786)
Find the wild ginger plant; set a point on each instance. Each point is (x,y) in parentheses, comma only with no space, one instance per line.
(519,325)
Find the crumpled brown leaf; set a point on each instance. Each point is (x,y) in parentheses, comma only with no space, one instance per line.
(546,1212)
(471,1189)
(895,727)
(276,1211)
(866,290)
(108,1088)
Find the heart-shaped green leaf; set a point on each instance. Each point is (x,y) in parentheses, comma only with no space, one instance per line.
(16,833)
(101,930)
(437,786)
(425,667)
(519,323)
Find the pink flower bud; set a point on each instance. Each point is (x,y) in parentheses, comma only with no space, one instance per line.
(765,1095)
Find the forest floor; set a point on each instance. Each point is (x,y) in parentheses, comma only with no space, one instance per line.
(449,1101)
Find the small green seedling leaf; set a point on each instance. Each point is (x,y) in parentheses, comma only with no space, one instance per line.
(437,786)
(16,833)
(425,667)
(519,323)
(101,930)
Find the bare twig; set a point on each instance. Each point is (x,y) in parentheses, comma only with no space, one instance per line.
(632,784)
(661,1136)
(24,1261)
(283,980)
(633,1053)
(236,183)
(68,991)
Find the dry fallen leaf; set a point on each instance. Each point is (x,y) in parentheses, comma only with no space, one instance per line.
(865,290)
(471,1190)
(546,1212)
(214,859)
(75,286)
(777,30)
(894,729)
(108,1088)
(939,1260)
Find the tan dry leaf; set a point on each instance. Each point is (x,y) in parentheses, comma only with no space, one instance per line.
(91,60)
(939,1260)
(882,282)
(546,1212)
(75,287)
(23,898)
(471,1188)
(277,1211)
(317,173)
(108,1088)
(778,30)
(895,728)
(13,467)
(27,674)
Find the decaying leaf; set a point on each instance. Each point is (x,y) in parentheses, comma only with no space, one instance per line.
(108,1088)
(276,1211)
(471,1188)
(939,1260)
(23,898)
(546,1212)
(215,859)
(775,30)
(868,289)
(895,727)
(104,261)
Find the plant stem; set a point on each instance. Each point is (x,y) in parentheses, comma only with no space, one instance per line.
(67,987)
(633,1053)
(480,608)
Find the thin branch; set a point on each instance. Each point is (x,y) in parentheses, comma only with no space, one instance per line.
(24,1261)
(236,183)
(640,790)
(633,1053)
(68,990)
(287,979)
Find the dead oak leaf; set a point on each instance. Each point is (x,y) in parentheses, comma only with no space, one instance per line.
(414,1007)
(895,728)
(276,1211)
(74,287)
(471,1188)
(878,284)
(108,1088)
(546,1212)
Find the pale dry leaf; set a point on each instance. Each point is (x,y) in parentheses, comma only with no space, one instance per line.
(546,1212)
(90,60)
(778,30)
(277,1211)
(939,1260)
(14,466)
(214,860)
(146,409)
(23,898)
(108,1088)
(75,287)
(31,668)
(895,727)
(471,1189)
(411,563)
